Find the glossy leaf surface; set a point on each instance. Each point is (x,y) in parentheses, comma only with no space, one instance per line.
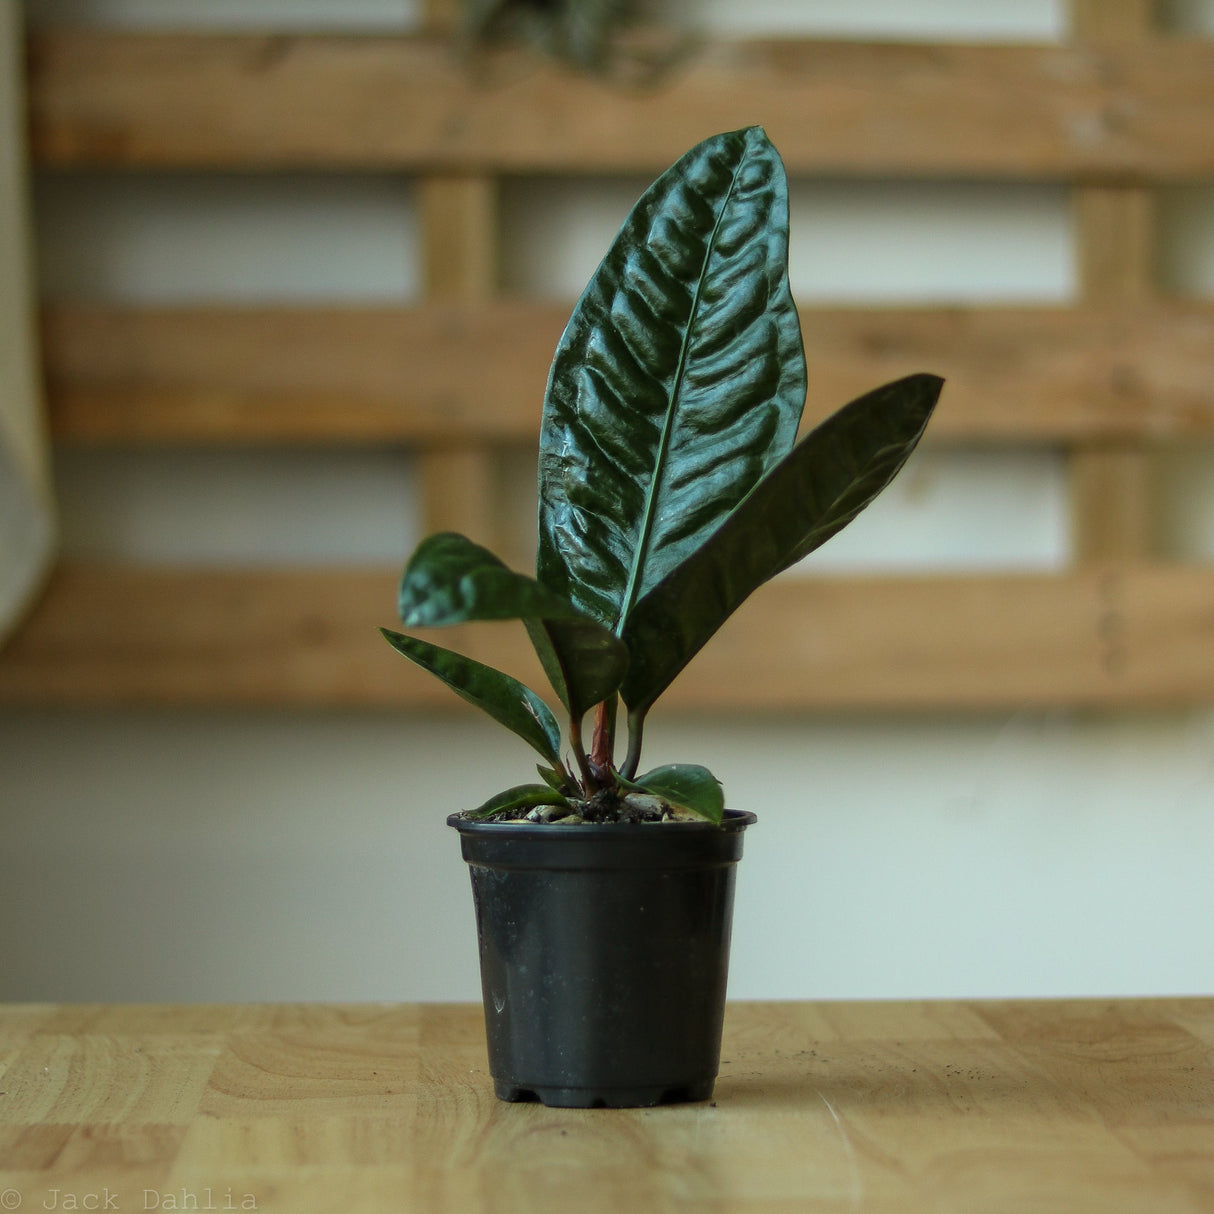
(583,661)
(832,474)
(450,580)
(687,786)
(522,795)
(505,699)
(678,382)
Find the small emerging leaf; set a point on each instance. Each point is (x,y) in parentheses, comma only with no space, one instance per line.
(686,786)
(554,779)
(506,700)
(522,795)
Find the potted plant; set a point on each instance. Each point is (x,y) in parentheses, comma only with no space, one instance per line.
(671,486)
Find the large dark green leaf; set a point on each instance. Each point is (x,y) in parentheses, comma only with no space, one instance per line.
(829,477)
(451,580)
(678,382)
(506,700)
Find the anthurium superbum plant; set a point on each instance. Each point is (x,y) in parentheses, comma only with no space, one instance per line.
(671,486)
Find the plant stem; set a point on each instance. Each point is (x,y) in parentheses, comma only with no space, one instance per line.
(602,751)
(589,783)
(636,734)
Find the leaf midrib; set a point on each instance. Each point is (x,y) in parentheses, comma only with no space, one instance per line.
(647,520)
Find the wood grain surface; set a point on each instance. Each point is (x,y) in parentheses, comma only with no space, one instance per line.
(1101,637)
(122,374)
(894,1107)
(1105,110)
(1112,484)
(459,259)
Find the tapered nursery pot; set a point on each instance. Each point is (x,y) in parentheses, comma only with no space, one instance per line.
(604,955)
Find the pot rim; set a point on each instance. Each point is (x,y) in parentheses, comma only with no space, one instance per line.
(735,820)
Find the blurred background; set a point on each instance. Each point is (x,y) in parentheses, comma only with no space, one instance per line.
(285,840)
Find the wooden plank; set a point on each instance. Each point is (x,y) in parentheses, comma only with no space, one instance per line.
(443,16)
(1113,18)
(1112,502)
(1141,636)
(1115,231)
(459,223)
(1111,482)
(458,493)
(460,264)
(249,637)
(297,374)
(459,244)
(995,642)
(434,374)
(1123,110)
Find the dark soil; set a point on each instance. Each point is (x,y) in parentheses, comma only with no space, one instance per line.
(607,805)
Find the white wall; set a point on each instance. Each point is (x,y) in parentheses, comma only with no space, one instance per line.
(283,855)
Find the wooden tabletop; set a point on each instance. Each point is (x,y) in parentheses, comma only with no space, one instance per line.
(1013,1106)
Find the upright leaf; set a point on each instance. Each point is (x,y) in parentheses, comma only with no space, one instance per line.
(832,474)
(506,700)
(451,580)
(678,382)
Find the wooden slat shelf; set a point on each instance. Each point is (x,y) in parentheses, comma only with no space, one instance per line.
(1104,110)
(460,225)
(1134,636)
(1117,111)
(1112,494)
(367,375)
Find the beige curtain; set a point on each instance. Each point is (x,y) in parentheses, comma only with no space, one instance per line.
(27,528)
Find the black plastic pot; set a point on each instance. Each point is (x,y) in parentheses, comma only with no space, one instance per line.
(604,955)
